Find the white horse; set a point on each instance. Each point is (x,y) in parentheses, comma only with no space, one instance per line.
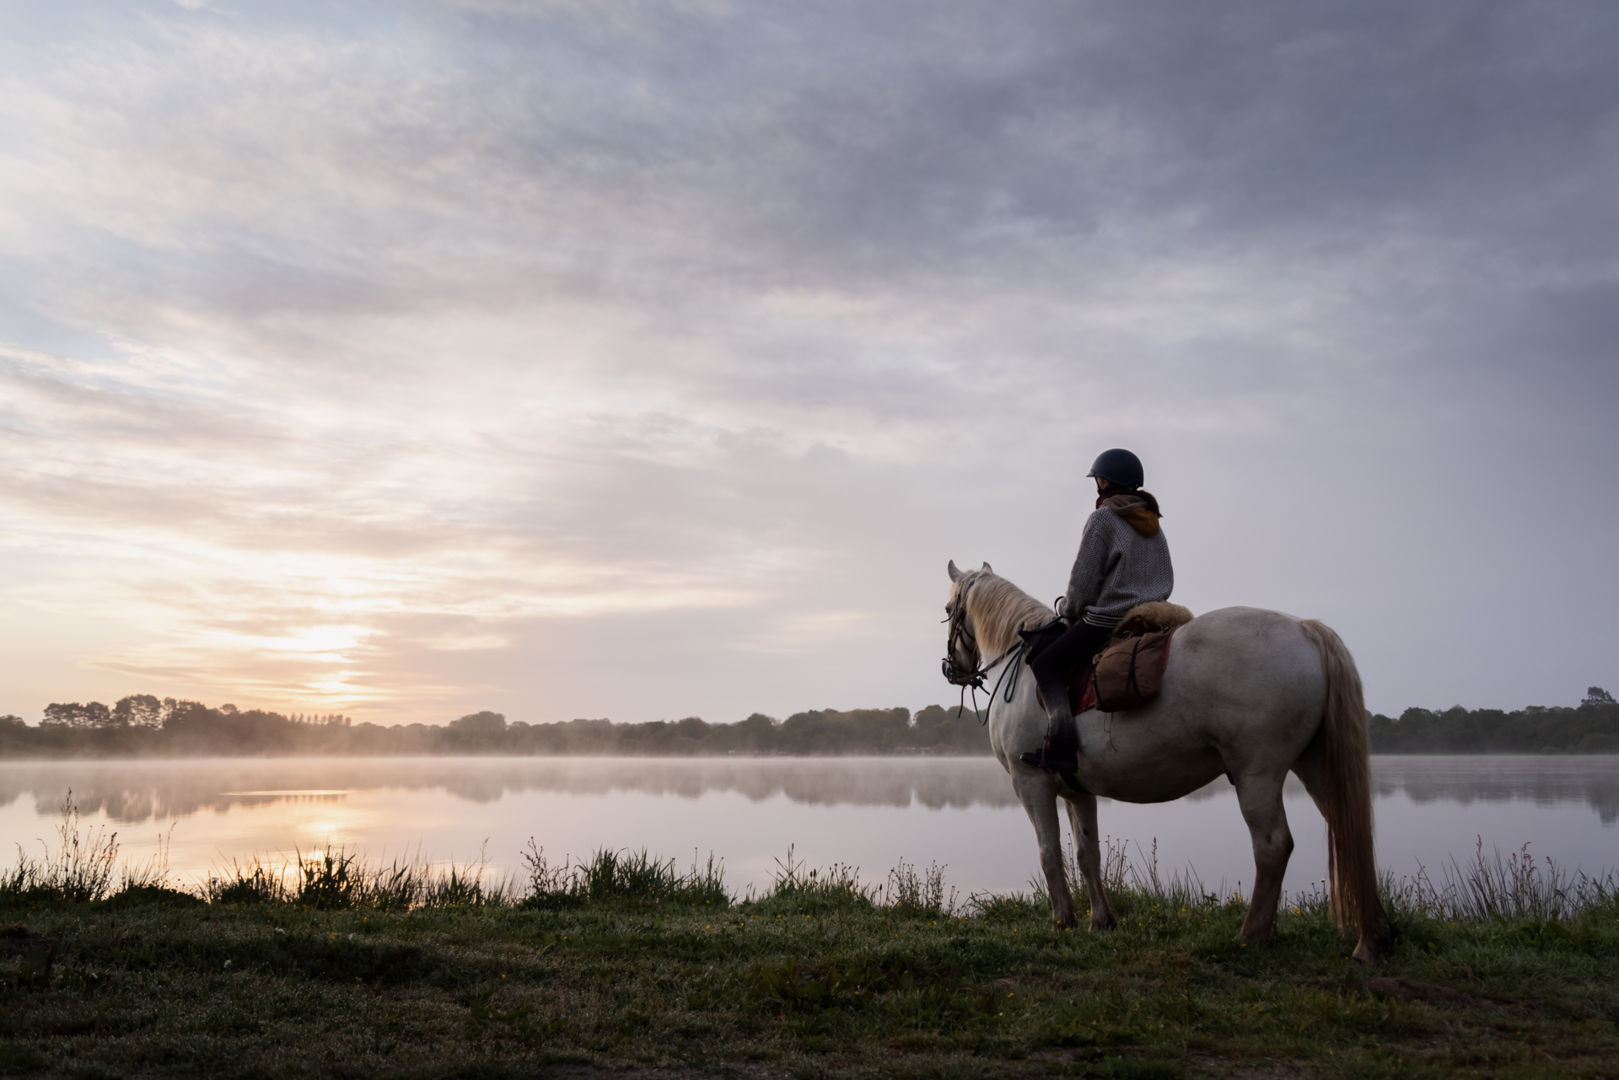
(1248,694)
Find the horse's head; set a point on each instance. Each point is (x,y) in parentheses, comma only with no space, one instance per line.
(963,665)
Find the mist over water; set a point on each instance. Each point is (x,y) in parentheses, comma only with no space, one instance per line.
(868,812)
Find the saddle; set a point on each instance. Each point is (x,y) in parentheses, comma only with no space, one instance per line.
(1129,671)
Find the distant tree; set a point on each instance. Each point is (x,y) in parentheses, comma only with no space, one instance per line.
(71,714)
(188,719)
(14,734)
(481,723)
(74,715)
(1595,697)
(949,729)
(138,710)
(693,729)
(754,734)
(803,733)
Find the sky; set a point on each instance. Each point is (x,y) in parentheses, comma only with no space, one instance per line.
(651,359)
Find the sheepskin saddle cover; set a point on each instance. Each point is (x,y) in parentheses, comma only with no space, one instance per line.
(1153,615)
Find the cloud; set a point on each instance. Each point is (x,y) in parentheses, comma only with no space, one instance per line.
(539,340)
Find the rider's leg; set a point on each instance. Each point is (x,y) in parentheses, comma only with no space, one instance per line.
(1052,670)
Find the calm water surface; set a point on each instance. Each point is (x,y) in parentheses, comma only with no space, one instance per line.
(870,813)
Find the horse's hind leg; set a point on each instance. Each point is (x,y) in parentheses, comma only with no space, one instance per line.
(1082,818)
(1353,900)
(1040,802)
(1260,796)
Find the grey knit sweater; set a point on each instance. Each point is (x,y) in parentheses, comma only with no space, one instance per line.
(1119,564)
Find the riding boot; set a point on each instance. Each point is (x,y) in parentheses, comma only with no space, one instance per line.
(1060,753)
(1069,654)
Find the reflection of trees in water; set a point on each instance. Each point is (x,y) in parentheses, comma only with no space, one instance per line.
(135,792)
(1543,780)
(132,793)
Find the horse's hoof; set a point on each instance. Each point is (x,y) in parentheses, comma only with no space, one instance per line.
(1102,924)
(1375,946)
(1369,951)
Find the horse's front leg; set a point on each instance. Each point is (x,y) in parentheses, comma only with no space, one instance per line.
(1082,819)
(1040,802)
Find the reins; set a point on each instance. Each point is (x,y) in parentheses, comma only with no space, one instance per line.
(1015,653)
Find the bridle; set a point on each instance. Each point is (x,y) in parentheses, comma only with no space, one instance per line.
(972,677)
(955,673)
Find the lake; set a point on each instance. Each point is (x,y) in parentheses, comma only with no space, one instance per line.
(869,813)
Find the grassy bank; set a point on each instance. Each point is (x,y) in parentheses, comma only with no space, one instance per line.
(625,965)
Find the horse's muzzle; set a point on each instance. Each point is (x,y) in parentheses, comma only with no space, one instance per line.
(958,675)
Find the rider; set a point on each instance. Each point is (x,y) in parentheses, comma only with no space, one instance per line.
(1123,561)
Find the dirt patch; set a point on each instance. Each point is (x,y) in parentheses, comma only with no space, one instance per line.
(593,1072)
(16,939)
(1205,1065)
(1444,997)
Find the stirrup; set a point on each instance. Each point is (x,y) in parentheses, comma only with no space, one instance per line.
(1067,771)
(1040,760)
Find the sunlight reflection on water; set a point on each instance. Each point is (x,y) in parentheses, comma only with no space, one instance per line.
(865,812)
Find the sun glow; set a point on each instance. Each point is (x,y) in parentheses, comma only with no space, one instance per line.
(324,643)
(336,687)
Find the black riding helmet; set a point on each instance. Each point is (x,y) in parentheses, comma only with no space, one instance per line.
(1119,468)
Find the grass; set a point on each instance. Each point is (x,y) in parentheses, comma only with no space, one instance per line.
(1513,886)
(623,878)
(625,964)
(83,867)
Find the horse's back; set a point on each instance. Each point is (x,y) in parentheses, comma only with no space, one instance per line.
(1247,648)
(1246,673)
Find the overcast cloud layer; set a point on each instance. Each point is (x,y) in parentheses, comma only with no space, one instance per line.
(650,359)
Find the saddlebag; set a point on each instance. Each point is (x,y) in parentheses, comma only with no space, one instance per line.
(1130,672)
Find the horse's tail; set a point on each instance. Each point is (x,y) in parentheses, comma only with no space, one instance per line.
(1346,797)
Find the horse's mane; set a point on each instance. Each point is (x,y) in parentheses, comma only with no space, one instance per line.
(999,609)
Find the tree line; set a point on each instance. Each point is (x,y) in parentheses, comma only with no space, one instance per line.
(146,726)
(143,725)
(1592,727)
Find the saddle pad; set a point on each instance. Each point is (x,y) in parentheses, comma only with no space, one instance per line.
(1082,691)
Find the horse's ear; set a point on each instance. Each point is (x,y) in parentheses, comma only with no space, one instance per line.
(955,574)
(987,570)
